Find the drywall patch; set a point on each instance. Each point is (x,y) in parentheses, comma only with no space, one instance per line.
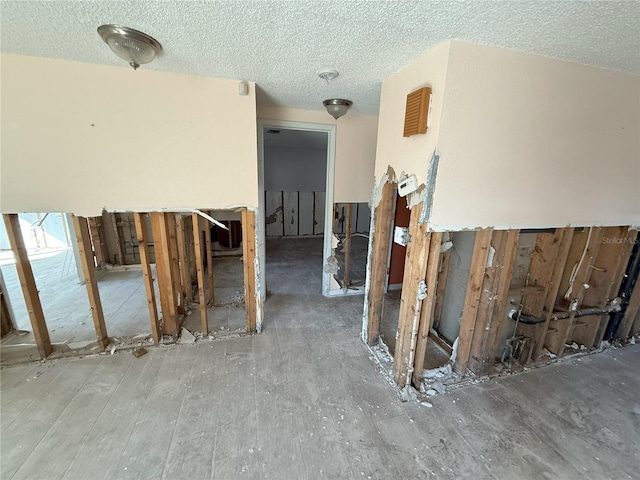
(389,177)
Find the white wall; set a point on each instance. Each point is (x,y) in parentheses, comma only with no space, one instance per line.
(529,141)
(79,137)
(410,154)
(294,169)
(355,148)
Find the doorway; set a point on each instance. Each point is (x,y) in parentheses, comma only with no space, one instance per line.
(295,179)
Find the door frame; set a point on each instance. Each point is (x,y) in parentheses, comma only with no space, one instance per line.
(329,181)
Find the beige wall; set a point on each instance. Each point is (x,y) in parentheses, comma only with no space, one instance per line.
(411,154)
(79,137)
(528,141)
(355,148)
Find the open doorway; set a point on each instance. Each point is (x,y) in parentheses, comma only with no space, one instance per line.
(295,178)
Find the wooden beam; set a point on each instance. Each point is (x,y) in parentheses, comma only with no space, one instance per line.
(415,266)
(428,307)
(185,278)
(96,241)
(553,255)
(28,284)
(175,262)
(89,270)
(209,250)
(493,301)
(472,298)
(197,244)
(347,248)
(581,257)
(442,282)
(147,276)
(382,221)
(248,259)
(164,272)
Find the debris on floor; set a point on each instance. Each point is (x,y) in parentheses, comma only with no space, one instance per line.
(186,337)
(138,352)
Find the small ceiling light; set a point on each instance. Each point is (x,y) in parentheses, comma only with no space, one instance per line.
(337,107)
(135,47)
(328,74)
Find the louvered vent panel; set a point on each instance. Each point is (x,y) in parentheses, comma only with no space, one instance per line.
(415,116)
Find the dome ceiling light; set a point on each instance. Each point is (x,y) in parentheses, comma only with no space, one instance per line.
(337,107)
(135,47)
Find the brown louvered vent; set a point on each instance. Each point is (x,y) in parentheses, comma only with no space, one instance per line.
(415,115)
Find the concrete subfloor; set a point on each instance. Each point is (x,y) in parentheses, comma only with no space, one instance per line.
(66,307)
(302,400)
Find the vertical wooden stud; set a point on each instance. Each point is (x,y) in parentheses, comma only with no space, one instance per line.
(147,275)
(382,221)
(88,268)
(209,250)
(415,267)
(118,257)
(248,259)
(428,306)
(589,250)
(185,279)
(197,244)
(347,247)
(556,260)
(168,300)
(472,298)
(175,262)
(28,284)
(493,300)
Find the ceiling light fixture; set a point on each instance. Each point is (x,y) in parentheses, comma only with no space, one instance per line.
(337,107)
(135,47)
(328,74)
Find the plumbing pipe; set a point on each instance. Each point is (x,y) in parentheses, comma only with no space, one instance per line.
(614,306)
(420,295)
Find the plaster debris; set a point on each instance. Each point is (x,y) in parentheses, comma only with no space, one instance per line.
(440,372)
(186,337)
(431,392)
(632,341)
(439,387)
(426,404)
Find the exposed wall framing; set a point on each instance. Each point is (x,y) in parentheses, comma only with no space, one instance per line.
(564,296)
(28,283)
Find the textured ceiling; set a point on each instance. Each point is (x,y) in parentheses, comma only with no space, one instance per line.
(281,45)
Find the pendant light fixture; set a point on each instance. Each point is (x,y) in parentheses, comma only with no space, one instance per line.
(135,47)
(337,107)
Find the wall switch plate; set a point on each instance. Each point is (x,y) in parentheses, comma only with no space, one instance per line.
(401,236)
(407,186)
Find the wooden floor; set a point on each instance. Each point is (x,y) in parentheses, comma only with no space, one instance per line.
(303,400)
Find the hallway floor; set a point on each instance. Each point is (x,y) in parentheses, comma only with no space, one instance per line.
(303,400)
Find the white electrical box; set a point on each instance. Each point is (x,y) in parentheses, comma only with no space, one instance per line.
(407,186)
(401,236)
